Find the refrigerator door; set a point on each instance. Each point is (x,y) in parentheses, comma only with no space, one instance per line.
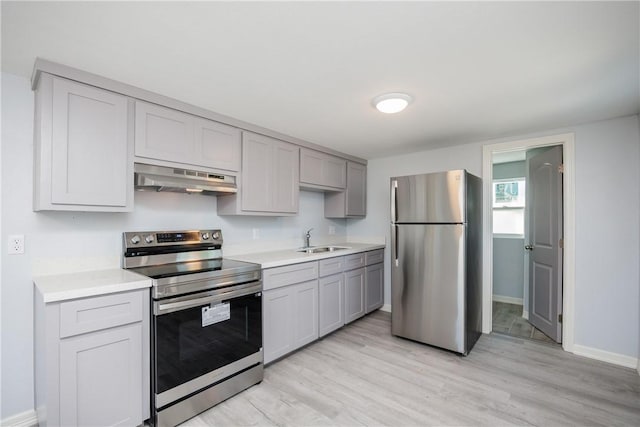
(430,198)
(428,284)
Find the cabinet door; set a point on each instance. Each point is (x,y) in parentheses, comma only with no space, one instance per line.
(285,172)
(164,134)
(331,303)
(374,280)
(320,169)
(101,378)
(277,330)
(256,184)
(335,171)
(356,189)
(217,146)
(89,146)
(173,136)
(305,312)
(311,166)
(353,295)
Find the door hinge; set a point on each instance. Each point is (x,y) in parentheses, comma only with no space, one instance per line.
(561,168)
(561,243)
(559,318)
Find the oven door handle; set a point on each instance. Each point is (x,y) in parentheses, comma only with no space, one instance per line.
(162,307)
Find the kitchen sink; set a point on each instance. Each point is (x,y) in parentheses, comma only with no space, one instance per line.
(321,249)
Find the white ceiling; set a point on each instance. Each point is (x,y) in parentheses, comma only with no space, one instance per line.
(476,70)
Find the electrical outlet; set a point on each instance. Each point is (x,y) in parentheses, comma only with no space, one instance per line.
(256,233)
(332,230)
(15,244)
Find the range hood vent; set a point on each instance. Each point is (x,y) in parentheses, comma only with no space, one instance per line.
(161,178)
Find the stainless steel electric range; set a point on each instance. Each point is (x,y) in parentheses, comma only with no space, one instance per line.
(206,320)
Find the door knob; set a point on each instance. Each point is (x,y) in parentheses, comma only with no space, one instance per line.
(529,247)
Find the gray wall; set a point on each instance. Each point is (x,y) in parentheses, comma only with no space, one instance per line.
(509,170)
(508,253)
(607,249)
(508,267)
(59,242)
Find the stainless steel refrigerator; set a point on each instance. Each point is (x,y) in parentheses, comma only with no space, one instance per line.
(436,259)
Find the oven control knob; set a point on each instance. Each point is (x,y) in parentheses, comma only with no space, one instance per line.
(205,236)
(149,238)
(135,239)
(216,235)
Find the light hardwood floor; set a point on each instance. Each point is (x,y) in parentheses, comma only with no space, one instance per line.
(361,375)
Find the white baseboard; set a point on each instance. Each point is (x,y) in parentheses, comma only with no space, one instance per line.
(525,314)
(605,356)
(508,300)
(23,419)
(386,307)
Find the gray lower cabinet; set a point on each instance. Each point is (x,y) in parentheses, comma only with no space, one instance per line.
(100,378)
(354,281)
(374,292)
(374,279)
(305,301)
(92,360)
(331,303)
(290,316)
(83,151)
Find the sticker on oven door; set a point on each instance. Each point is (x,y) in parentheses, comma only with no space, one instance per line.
(215,314)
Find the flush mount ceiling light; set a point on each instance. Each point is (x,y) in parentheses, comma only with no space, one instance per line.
(392,102)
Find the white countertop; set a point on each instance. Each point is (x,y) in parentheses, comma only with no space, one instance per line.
(63,287)
(290,256)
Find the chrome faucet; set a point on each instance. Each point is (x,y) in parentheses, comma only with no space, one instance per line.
(307,239)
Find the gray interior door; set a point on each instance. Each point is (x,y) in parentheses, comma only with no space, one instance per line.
(544,198)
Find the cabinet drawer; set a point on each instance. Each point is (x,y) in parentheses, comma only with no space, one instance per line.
(93,314)
(331,266)
(353,261)
(289,274)
(374,257)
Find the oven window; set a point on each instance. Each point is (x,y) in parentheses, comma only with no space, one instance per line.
(184,349)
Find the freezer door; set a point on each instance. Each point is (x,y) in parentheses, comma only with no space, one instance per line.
(428,284)
(430,198)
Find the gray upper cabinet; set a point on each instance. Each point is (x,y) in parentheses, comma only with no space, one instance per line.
(320,171)
(83,148)
(90,131)
(269,179)
(351,203)
(175,137)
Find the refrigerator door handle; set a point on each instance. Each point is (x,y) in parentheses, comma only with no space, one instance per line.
(394,199)
(395,244)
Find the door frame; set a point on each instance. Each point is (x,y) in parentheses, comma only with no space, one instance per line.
(567,141)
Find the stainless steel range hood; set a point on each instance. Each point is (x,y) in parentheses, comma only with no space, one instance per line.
(177,180)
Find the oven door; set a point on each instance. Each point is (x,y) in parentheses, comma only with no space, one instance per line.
(203,338)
